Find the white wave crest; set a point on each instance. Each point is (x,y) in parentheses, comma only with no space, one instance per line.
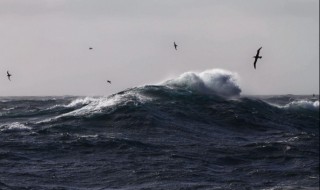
(215,81)
(81,101)
(92,105)
(15,126)
(74,103)
(303,104)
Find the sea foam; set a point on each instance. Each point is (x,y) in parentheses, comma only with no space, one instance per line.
(15,126)
(215,81)
(303,104)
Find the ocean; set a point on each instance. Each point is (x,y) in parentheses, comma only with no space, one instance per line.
(193,132)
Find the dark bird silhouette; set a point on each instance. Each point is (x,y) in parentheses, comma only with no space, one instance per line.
(109,81)
(90,48)
(256,58)
(175,45)
(8,75)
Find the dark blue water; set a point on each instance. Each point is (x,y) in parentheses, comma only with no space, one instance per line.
(159,137)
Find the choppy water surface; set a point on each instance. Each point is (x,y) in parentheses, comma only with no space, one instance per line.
(168,136)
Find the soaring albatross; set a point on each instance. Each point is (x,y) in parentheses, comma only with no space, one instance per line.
(8,75)
(175,45)
(256,58)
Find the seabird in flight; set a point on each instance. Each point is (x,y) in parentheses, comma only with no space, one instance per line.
(90,48)
(8,75)
(109,81)
(256,58)
(175,45)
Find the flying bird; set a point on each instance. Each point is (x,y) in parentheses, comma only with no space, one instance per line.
(90,48)
(256,58)
(109,81)
(8,75)
(175,45)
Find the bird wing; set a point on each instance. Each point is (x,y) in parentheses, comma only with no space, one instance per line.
(258,51)
(254,64)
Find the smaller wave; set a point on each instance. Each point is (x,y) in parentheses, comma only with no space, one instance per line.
(89,106)
(302,104)
(15,126)
(215,81)
(94,105)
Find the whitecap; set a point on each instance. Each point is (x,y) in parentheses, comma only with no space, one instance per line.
(303,104)
(15,126)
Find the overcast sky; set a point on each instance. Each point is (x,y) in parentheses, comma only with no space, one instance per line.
(45,44)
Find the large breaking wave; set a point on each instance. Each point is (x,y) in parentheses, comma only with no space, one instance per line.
(211,82)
